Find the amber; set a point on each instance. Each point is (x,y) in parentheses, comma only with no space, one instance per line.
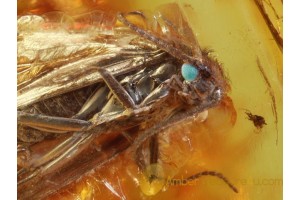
(226,141)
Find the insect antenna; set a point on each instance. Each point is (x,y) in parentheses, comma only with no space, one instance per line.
(163,44)
(213,173)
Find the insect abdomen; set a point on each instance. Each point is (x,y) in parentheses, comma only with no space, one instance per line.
(65,105)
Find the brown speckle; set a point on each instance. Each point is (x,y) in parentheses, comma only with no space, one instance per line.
(187,5)
(257,120)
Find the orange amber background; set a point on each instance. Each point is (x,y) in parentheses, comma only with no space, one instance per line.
(226,141)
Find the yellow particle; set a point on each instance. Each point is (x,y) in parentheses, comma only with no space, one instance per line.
(152,180)
(87,192)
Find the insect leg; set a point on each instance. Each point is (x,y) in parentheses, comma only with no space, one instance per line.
(177,118)
(52,124)
(150,133)
(154,150)
(94,103)
(153,157)
(154,146)
(117,89)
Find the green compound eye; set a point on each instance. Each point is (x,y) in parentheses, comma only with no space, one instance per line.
(189,72)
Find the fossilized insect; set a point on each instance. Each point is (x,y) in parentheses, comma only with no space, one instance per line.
(258,121)
(111,86)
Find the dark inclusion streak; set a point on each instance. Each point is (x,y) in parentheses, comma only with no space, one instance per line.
(271,27)
(273,9)
(271,93)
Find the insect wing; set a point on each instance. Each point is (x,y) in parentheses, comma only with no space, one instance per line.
(55,58)
(170,24)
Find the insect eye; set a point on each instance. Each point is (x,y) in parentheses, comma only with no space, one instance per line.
(189,72)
